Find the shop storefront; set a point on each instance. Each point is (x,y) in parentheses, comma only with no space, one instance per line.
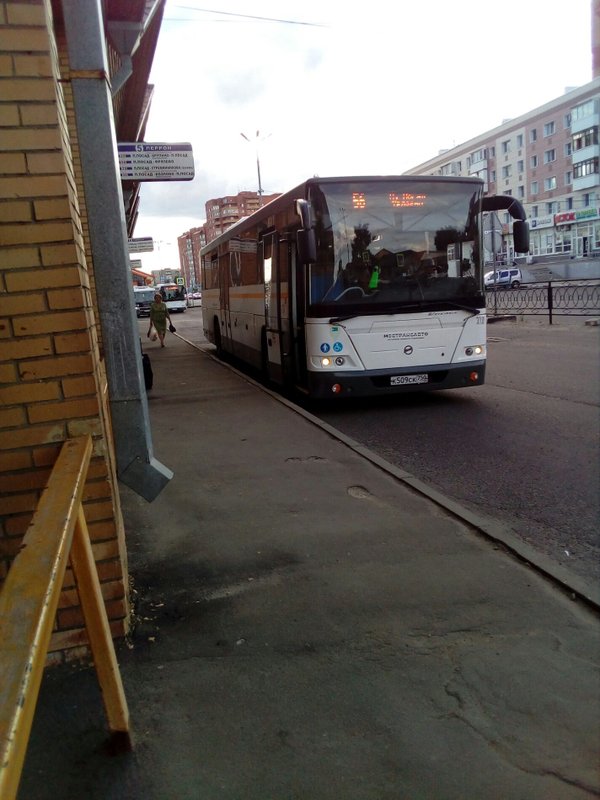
(572,233)
(583,229)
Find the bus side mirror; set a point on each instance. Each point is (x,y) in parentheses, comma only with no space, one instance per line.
(521,236)
(307,245)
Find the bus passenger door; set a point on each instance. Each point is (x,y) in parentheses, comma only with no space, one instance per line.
(271,335)
(225,314)
(297,305)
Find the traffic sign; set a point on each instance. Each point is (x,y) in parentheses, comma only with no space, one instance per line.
(158,161)
(145,244)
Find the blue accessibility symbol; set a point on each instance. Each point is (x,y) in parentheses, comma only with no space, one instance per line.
(324,347)
(338,347)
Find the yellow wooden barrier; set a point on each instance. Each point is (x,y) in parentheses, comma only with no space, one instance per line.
(28,605)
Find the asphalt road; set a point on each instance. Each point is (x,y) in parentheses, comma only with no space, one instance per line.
(523,448)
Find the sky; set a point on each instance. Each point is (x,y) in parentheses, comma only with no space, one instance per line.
(340,87)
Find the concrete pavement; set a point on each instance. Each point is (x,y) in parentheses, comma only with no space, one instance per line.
(309,627)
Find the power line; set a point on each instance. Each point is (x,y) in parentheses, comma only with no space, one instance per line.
(245,16)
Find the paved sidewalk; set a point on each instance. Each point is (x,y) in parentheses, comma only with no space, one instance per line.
(311,628)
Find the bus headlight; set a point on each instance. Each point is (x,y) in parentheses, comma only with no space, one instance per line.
(476,350)
(325,362)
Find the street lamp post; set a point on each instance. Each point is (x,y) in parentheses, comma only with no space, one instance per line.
(243,135)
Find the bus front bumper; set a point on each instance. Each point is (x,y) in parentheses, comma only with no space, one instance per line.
(393,381)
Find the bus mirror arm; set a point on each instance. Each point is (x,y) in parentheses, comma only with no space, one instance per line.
(503,202)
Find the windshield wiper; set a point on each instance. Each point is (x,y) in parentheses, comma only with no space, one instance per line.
(452,304)
(421,305)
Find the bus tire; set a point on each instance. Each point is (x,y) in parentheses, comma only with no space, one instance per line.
(217,337)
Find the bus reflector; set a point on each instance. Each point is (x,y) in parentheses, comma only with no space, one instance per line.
(336,388)
(473,377)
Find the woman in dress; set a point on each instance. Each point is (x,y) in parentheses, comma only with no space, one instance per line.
(159,314)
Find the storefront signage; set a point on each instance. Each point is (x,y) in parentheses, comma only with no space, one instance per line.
(576,216)
(541,222)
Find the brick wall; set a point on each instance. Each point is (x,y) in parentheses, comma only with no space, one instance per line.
(52,378)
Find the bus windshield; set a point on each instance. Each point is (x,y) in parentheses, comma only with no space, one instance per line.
(383,245)
(173,292)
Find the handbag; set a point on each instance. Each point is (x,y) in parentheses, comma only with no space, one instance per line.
(172,327)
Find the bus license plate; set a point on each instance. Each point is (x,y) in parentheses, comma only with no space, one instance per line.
(403,380)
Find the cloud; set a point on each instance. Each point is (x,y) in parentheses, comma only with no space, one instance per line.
(375,91)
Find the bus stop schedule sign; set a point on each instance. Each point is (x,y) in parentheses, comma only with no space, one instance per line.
(160,161)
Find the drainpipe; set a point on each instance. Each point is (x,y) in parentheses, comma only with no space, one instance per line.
(136,465)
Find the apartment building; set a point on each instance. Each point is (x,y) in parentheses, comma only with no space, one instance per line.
(549,160)
(221,213)
(189,244)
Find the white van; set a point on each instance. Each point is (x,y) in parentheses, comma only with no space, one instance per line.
(509,277)
(144,297)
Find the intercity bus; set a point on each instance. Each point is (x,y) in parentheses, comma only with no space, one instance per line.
(358,285)
(173,295)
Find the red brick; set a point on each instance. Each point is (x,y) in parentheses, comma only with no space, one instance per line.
(42,279)
(17,525)
(12,417)
(55,367)
(49,323)
(14,304)
(34,435)
(29,392)
(67,410)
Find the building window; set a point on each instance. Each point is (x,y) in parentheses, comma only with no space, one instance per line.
(533,162)
(549,129)
(585,138)
(568,178)
(519,140)
(567,121)
(533,135)
(563,242)
(588,198)
(550,183)
(587,167)
(520,166)
(568,149)
(534,211)
(534,187)
(582,111)
(520,191)
(506,147)
(506,171)
(492,152)
(549,155)
(493,176)
(569,202)
(551,208)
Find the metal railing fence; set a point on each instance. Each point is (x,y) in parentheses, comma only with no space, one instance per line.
(551,299)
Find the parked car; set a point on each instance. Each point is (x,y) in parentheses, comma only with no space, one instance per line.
(505,278)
